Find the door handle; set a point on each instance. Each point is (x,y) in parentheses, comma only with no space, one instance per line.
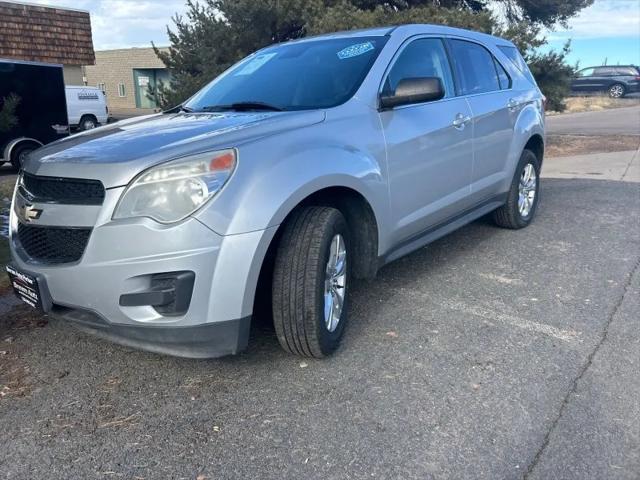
(461,120)
(512,104)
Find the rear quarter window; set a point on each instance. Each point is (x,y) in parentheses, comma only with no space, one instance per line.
(627,71)
(516,58)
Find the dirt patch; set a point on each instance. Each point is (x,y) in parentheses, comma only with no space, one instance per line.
(15,375)
(595,103)
(566,145)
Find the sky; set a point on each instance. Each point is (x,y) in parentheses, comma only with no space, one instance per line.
(609,29)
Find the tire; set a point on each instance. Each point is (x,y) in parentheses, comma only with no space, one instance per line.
(87,122)
(617,91)
(514,214)
(300,279)
(19,154)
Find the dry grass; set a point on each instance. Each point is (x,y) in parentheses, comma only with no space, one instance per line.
(595,103)
(6,190)
(6,186)
(15,375)
(565,145)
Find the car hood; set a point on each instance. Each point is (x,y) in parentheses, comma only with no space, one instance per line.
(116,153)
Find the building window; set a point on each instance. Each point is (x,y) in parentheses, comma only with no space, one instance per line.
(102,86)
(121,91)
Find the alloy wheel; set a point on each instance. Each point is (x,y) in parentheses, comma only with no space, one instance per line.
(527,190)
(617,91)
(335,282)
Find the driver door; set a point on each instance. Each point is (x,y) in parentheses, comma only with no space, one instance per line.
(429,145)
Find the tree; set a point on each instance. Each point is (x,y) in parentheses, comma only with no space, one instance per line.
(8,119)
(214,34)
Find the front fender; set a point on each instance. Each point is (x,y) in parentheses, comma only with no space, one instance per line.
(262,192)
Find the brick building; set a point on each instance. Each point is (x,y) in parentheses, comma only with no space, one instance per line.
(49,35)
(127,76)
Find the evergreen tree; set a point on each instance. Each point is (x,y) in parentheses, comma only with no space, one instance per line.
(8,120)
(214,34)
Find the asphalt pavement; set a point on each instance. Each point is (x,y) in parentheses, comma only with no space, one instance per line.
(488,354)
(615,121)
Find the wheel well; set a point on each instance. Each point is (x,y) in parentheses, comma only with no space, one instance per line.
(364,234)
(536,145)
(90,115)
(13,147)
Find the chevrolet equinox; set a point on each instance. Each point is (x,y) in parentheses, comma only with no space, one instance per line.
(301,168)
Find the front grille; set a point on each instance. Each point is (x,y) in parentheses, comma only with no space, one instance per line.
(62,190)
(53,244)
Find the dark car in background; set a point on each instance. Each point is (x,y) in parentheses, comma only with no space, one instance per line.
(616,80)
(33,108)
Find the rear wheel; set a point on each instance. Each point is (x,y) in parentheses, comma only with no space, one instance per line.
(617,91)
(88,122)
(20,153)
(523,196)
(310,288)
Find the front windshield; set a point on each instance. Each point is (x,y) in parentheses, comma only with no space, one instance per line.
(295,76)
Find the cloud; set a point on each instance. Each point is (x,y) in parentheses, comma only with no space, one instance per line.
(126,23)
(605,18)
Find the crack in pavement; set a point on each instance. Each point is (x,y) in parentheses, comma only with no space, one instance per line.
(585,367)
(626,170)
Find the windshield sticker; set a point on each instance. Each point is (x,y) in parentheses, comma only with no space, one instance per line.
(255,63)
(355,50)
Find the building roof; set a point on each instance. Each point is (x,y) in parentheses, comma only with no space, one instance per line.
(45,34)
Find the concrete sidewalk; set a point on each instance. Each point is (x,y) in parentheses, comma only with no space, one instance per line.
(621,166)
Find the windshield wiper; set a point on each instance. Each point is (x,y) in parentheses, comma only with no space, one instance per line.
(179,108)
(242,106)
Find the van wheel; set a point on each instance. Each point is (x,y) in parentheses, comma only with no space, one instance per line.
(311,278)
(617,91)
(88,122)
(523,196)
(20,153)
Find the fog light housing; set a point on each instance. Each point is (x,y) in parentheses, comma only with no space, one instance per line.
(169,294)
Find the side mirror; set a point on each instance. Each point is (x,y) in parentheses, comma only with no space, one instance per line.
(413,90)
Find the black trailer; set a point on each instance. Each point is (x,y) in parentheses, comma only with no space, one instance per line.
(33,108)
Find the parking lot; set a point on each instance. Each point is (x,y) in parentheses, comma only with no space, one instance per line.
(488,354)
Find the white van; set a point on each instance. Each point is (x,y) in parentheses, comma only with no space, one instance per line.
(86,107)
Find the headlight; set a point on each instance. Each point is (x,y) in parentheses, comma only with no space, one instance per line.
(174,190)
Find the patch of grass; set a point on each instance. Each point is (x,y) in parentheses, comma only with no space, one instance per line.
(6,186)
(595,103)
(4,259)
(566,145)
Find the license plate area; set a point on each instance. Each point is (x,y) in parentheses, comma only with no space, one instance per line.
(30,288)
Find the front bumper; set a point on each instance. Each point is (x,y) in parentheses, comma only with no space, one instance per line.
(122,257)
(207,340)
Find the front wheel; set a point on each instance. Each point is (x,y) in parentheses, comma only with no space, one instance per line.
(311,280)
(20,153)
(523,196)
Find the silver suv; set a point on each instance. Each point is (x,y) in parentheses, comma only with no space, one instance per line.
(305,166)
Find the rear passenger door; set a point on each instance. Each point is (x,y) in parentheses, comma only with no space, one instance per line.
(429,145)
(486,86)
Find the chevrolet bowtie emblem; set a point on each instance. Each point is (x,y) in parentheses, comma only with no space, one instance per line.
(29,213)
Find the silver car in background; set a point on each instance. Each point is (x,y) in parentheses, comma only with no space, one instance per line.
(305,166)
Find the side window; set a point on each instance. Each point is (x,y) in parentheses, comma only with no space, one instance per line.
(586,72)
(503,76)
(425,57)
(604,72)
(627,71)
(474,67)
